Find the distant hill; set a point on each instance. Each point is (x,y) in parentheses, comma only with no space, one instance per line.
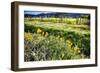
(56,14)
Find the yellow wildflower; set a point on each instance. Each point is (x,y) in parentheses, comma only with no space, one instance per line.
(78,51)
(75,49)
(42,33)
(46,34)
(69,43)
(61,38)
(39,30)
(28,36)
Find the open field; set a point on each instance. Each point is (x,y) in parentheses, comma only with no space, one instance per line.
(56,38)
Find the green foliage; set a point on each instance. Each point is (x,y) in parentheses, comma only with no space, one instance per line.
(50,47)
(54,40)
(45,48)
(68,20)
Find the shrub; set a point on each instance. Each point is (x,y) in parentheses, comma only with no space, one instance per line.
(52,47)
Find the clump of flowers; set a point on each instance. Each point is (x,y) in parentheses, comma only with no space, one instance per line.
(77,50)
(39,30)
(69,43)
(28,36)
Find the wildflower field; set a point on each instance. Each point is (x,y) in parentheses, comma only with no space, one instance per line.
(56,37)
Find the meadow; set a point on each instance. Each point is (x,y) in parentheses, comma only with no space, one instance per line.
(56,38)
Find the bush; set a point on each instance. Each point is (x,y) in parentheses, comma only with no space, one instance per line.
(41,45)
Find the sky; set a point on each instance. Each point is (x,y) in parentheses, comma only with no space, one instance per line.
(35,12)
